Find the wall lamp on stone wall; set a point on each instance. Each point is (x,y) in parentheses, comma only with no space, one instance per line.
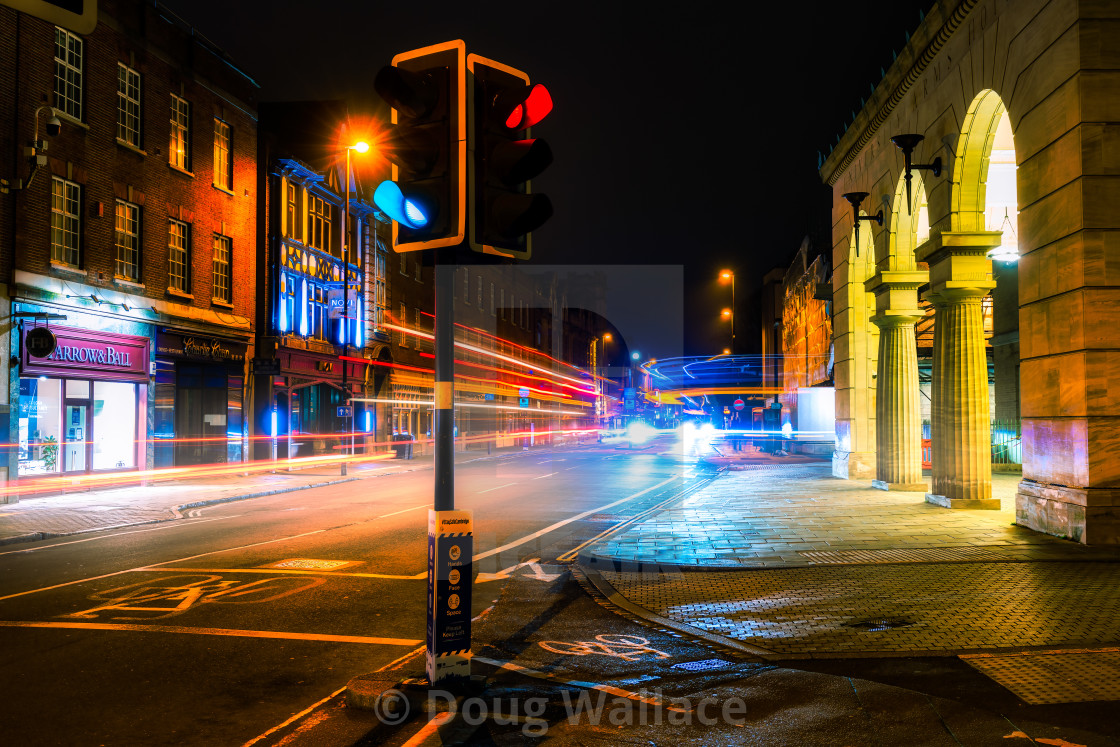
(856,198)
(907,143)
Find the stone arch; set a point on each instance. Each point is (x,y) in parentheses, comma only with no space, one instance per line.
(985,122)
(909,228)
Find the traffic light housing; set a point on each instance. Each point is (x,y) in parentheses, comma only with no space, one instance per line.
(502,106)
(426,197)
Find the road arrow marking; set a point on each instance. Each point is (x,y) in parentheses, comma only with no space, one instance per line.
(533,565)
(540,575)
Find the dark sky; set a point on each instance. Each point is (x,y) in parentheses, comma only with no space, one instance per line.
(683,134)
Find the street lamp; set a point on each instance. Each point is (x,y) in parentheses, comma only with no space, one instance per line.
(362,147)
(726,276)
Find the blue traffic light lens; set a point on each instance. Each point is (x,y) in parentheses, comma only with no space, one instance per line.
(415,214)
(407,212)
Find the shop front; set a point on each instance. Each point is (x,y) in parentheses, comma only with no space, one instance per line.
(199,391)
(80,407)
(312,401)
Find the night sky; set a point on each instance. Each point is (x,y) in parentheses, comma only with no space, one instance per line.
(683,134)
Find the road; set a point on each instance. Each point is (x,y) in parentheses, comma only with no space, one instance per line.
(214,629)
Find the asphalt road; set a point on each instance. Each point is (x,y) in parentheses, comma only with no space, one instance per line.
(215,629)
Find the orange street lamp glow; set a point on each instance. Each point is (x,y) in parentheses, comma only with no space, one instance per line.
(607,337)
(727,351)
(726,313)
(726,274)
(361,146)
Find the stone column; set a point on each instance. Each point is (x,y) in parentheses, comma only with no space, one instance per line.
(898,433)
(960,277)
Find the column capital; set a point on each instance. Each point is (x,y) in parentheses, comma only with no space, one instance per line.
(951,293)
(896,280)
(962,243)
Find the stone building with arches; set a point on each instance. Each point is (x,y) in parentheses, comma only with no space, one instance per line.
(1020,102)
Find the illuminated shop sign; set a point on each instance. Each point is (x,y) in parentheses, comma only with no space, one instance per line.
(199,347)
(91,354)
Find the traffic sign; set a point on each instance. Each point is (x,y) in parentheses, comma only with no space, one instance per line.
(345,411)
(523,392)
(524,402)
(739,404)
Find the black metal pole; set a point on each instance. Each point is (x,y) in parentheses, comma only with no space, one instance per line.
(444,385)
(345,304)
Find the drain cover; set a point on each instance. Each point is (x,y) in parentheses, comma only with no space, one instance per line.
(310,564)
(879,624)
(701,666)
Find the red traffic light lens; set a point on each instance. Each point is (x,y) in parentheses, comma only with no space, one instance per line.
(532,110)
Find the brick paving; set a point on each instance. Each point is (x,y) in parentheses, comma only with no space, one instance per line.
(817,566)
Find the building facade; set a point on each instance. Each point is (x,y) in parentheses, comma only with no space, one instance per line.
(127,229)
(1018,101)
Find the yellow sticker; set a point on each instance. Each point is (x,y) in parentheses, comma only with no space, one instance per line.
(445,395)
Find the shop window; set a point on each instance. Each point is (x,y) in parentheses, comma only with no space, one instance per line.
(114,424)
(40,426)
(201,417)
(292,227)
(179,153)
(68,67)
(128,105)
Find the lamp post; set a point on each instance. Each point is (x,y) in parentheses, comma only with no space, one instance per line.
(725,276)
(361,147)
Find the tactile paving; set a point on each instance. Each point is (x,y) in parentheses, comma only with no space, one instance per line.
(1038,677)
(914,555)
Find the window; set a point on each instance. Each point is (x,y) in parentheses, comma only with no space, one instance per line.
(128,105)
(402,338)
(318,223)
(128,241)
(223,289)
(480,293)
(493,311)
(502,302)
(291,212)
(178,256)
(419,264)
(66,223)
(466,286)
(180,151)
(223,167)
(404,264)
(68,64)
(380,300)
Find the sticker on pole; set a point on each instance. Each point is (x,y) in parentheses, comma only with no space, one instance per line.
(450,549)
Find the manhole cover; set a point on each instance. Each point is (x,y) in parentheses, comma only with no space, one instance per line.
(880,624)
(701,666)
(310,564)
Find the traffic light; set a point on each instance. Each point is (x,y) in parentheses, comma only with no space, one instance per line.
(426,197)
(502,106)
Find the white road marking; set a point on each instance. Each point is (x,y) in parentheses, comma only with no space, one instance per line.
(155,565)
(508,484)
(550,474)
(403,510)
(119,534)
(429,729)
(577,517)
(299,715)
(611,690)
(213,631)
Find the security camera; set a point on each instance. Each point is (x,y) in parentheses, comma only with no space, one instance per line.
(54,126)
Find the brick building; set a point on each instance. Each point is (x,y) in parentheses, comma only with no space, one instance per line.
(129,231)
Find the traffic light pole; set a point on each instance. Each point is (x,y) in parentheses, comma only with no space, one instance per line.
(444,431)
(450,532)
